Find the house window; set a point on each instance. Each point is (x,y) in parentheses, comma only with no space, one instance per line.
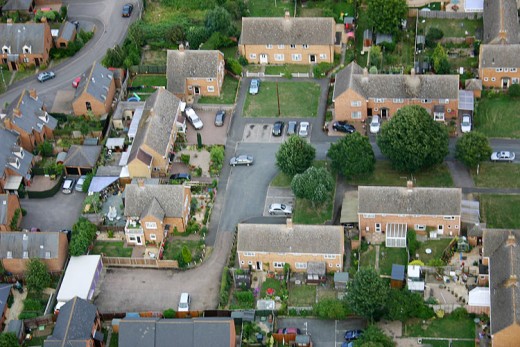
(150,225)
(278,264)
(498,69)
(132,238)
(305,46)
(376,109)
(279,57)
(269,46)
(513,69)
(293,46)
(426,101)
(438,116)
(329,256)
(355,103)
(249,254)
(486,79)
(369,215)
(456,226)
(398,101)
(420,227)
(323,56)
(47,255)
(211,89)
(296,57)
(356,115)
(378,227)
(506,69)
(25,60)
(88,106)
(242,262)
(209,79)
(514,80)
(337,265)
(252,56)
(444,101)
(449,217)
(25,255)
(249,262)
(190,87)
(153,237)
(493,79)
(281,46)
(379,100)
(300,265)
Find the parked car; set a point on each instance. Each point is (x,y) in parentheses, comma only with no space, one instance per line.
(68,186)
(503,156)
(193,118)
(280,209)
(127,10)
(46,75)
(304,129)
(181,177)
(292,127)
(278,128)
(76,81)
(243,159)
(289,331)
(375,124)
(254,87)
(465,125)
(343,127)
(184,303)
(79,183)
(347,344)
(220,117)
(353,334)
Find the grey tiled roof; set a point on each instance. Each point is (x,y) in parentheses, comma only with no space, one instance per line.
(82,156)
(3,208)
(169,197)
(32,117)
(396,86)
(74,324)
(500,22)
(190,64)
(5,291)
(17,5)
(18,35)
(96,82)
(494,56)
(9,140)
(278,238)
(35,243)
(279,30)
(154,209)
(501,246)
(473,84)
(159,117)
(67,30)
(401,200)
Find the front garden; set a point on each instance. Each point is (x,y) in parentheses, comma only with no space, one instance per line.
(227,94)
(500,211)
(112,249)
(497,175)
(497,116)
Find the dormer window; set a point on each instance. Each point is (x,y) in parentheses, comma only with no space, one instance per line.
(6,50)
(44,117)
(18,151)
(9,255)
(15,162)
(26,49)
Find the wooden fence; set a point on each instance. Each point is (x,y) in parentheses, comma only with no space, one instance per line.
(444,15)
(294,74)
(34,323)
(140,263)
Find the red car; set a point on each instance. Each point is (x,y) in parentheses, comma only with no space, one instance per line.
(75,83)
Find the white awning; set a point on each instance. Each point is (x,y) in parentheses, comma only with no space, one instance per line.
(479,296)
(124,157)
(124,172)
(134,125)
(415,285)
(100,183)
(13,182)
(115,142)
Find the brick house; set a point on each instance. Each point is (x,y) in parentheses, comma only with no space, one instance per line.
(152,147)
(267,247)
(288,40)
(154,210)
(15,162)
(195,72)
(78,324)
(359,95)
(95,92)
(27,115)
(9,203)
(66,35)
(424,210)
(16,249)
(500,22)
(501,251)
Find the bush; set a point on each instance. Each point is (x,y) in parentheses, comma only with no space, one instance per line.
(234,66)
(194,205)
(169,313)
(111,234)
(459,313)
(27,315)
(225,284)
(185,158)
(322,69)
(514,90)
(243,61)
(24,212)
(32,305)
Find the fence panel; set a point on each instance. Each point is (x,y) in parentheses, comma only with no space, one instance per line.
(148,69)
(449,15)
(141,262)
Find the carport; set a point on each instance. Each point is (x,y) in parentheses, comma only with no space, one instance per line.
(349,208)
(99,183)
(81,159)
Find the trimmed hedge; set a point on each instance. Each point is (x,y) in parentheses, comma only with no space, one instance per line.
(46,193)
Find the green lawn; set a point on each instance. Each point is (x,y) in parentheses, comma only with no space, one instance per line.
(271,283)
(5,77)
(497,175)
(114,340)
(281,180)
(227,96)
(174,248)
(451,27)
(445,327)
(288,68)
(437,246)
(361,25)
(500,211)
(21,75)
(263,8)
(112,249)
(229,52)
(389,256)
(327,8)
(305,213)
(36,341)
(368,258)
(287,96)
(302,295)
(384,175)
(444,343)
(498,116)
(149,81)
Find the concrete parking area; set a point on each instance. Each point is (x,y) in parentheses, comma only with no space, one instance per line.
(280,196)
(211,134)
(262,133)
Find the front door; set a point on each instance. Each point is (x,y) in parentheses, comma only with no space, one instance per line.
(440,229)
(197,90)
(138,240)
(384,113)
(13,66)
(505,82)
(263,59)
(259,265)
(312,58)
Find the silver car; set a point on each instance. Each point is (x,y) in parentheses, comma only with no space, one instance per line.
(254,86)
(68,186)
(304,129)
(79,183)
(503,156)
(243,159)
(280,209)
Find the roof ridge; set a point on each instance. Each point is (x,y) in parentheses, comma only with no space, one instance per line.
(74,300)
(85,87)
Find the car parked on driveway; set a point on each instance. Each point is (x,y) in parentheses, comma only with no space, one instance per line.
(68,186)
(220,117)
(243,159)
(465,125)
(46,75)
(127,10)
(292,127)
(254,87)
(503,156)
(304,129)
(278,128)
(375,124)
(193,118)
(353,334)
(280,209)
(184,303)
(343,127)
(80,182)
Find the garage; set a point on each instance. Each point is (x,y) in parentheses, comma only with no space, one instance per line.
(81,159)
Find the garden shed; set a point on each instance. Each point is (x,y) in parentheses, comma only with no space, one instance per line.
(397,277)
(396,235)
(340,280)
(81,159)
(116,143)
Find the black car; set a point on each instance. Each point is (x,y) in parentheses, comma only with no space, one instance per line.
(181,177)
(219,118)
(292,127)
(344,127)
(278,128)
(127,10)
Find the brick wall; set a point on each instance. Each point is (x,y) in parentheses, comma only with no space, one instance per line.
(491,78)
(253,52)
(333,265)
(452,226)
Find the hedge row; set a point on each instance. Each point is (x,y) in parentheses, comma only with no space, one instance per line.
(46,193)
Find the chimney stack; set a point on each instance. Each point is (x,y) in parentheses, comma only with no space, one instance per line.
(287,15)
(140,182)
(181,47)
(511,240)
(289,224)
(409,184)
(32,94)
(17,112)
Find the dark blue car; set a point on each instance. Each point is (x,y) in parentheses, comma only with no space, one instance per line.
(353,334)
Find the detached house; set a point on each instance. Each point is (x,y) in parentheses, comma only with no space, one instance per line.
(359,95)
(391,209)
(66,35)
(288,40)
(25,44)
(153,211)
(195,72)
(27,115)
(152,147)
(95,92)
(268,247)
(15,162)
(501,251)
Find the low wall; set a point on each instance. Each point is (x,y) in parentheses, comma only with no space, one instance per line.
(46,193)
(140,263)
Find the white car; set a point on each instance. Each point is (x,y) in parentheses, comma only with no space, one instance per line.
(465,125)
(304,129)
(79,183)
(503,156)
(184,303)
(193,118)
(280,209)
(375,124)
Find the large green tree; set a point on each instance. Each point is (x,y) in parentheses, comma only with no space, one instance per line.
(403,304)
(352,156)
(315,185)
(440,60)
(295,156)
(412,140)
(373,336)
(83,233)
(218,19)
(8,340)
(367,294)
(472,149)
(37,277)
(386,15)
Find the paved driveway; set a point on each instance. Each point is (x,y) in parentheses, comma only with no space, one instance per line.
(52,214)
(211,134)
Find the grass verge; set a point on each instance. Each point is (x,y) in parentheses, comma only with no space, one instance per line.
(497,175)
(288,68)
(497,116)
(445,327)
(281,180)
(500,211)
(227,96)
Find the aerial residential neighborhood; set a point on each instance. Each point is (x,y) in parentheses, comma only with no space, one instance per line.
(260,173)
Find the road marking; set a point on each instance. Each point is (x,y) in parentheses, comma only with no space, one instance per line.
(335,332)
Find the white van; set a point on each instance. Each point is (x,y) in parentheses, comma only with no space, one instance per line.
(184,303)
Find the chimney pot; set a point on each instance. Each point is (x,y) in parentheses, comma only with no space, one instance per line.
(409,184)
(33,94)
(140,182)
(287,15)
(511,240)
(289,223)
(17,112)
